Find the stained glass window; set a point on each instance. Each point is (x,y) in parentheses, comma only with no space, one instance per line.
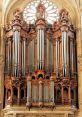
(51,12)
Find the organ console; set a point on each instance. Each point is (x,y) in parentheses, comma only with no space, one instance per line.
(39,61)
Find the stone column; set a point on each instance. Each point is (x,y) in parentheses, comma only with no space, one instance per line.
(79,63)
(2,51)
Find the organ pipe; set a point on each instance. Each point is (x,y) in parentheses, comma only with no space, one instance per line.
(47,54)
(40,33)
(40,48)
(16,52)
(9,55)
(29,88)
(71,56)
(51,90)
(43,49)
(67,64)
(46,95)
(65,57)
(65,53)
(23,57)
(34,93)
(13,56)
(40,92)
(31,55)
(57,57)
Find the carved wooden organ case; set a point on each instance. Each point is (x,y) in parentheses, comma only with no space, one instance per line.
(40,61)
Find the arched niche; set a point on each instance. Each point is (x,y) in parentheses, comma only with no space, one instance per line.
(15,93)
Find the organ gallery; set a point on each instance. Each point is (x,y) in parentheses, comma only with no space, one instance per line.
(40,58)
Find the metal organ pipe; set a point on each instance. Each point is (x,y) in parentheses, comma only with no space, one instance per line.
(9,54)
(65,57)
(65,53)
(67,64)
(40,48)
(47,53)
(16,52)
(40,92)
(71,56)
(57,57)
(8,57)
(52,60)
(52,90)
(23,57)
(29,89)
(13,56)
(31,55)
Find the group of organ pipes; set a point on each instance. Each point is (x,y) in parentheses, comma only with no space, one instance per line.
(40,62)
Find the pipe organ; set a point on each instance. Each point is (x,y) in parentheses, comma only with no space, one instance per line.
(40,62)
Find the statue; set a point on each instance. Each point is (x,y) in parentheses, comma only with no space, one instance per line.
(40,11)
(9,98)
(64,15)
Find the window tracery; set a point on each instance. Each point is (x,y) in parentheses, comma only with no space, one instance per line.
(50,12)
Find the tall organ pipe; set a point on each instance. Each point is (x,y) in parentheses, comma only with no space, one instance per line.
(16,52)
(71,57)
(65,53)
(65,57)
(67,64)
(40,48)
(13,56)
(9,54)
(23,57)
(47,53)
(57,57)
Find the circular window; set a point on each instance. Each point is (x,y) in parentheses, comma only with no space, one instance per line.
(30,12)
